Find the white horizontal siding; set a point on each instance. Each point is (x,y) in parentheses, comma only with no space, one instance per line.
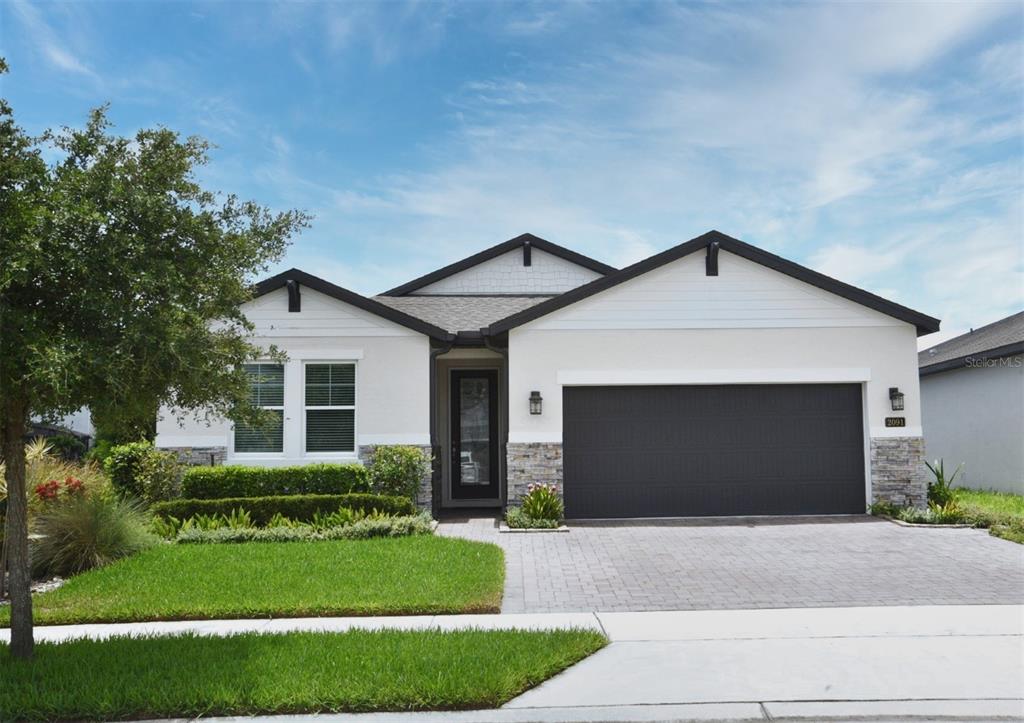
(505,274)
(321,315)
(680,295)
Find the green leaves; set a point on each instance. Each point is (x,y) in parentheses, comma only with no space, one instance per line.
(125,292)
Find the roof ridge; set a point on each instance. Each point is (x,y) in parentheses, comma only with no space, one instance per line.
(495,251)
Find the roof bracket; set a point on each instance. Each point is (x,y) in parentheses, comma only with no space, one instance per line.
(527,253)
(711,261)
(294,300)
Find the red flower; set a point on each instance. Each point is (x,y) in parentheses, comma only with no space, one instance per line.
(48,490)
(74,485)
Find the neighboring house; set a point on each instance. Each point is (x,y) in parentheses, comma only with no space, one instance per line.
(972,403)
(712,379)
(79,424)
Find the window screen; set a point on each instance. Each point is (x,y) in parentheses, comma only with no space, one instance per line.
(266,390)
(330,407)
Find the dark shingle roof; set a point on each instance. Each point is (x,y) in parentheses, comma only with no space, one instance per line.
(999,338)
(460,313)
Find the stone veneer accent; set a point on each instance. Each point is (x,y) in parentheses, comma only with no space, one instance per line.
(531,463)
(898,473)
(200,456)
(425,494)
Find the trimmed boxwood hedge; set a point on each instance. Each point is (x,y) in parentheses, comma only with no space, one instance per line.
(300,508)
(235,480)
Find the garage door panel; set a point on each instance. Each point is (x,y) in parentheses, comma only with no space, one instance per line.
(713,450)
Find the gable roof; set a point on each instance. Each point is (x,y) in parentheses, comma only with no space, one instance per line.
(351,297)
(924,324)
(494,251)
(460,313)
(999,339)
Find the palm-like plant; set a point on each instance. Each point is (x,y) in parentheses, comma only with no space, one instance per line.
(940,491)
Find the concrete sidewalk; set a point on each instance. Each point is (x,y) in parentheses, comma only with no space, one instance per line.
(888,663)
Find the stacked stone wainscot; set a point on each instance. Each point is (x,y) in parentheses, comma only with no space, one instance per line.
(898,472)
(531,463)
(200,456)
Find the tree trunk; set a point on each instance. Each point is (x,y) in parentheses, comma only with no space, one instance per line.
(15,412)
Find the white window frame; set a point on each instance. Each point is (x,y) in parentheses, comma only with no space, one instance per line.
(354,454)
(284,419)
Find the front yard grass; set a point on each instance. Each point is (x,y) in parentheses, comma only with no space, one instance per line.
(1001,512)
(418,575)
(248,674)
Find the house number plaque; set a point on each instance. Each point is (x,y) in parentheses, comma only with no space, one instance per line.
(895,421)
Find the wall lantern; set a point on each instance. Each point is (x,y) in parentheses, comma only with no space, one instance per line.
(896,399)
(535,402)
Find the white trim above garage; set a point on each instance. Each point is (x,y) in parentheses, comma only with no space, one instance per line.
(625,377)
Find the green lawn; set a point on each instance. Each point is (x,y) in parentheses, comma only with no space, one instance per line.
(1001,512)
(291,673)
(396,576)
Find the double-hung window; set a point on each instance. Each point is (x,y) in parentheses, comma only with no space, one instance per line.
(266,390)
(330,401)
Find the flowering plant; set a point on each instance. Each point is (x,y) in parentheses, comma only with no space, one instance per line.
(48,490)
(74,486)
(541,502)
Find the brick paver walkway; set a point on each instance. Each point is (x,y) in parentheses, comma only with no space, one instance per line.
(857,561)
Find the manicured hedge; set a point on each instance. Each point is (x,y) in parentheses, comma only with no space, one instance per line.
(363,530)
(300,508)
(235,480)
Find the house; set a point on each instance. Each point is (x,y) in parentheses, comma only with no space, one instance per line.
(711,379)
(972,403)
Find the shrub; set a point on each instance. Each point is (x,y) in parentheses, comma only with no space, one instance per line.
(299,508)
(517,519)
(67,446)
(884,508)
(158,476)
(123,465)
(83,531)
(940,490)
(419,524)
(541,502)
(242,481)
(398,470)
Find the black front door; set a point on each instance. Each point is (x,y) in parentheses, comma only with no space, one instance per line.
(474,425)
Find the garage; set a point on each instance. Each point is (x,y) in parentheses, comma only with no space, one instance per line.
(703,450)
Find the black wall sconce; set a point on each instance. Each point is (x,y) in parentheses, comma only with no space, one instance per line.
(535,402)
(896,399)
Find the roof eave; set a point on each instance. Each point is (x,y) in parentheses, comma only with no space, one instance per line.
(495,251)
(350,297)
(999,352)
(923,323)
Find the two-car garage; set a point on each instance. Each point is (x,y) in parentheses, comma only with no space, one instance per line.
(700,450)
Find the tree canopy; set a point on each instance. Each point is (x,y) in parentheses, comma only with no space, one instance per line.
(121,280)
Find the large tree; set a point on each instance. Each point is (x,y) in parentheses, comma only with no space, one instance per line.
(121,280)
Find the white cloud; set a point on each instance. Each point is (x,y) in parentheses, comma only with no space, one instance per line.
(55,49)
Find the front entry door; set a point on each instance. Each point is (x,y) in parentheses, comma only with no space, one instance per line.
(474,425)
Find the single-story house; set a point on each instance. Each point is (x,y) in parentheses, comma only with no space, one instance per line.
(714,378)
(972,403)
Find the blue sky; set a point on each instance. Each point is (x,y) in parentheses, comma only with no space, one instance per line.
(878,143)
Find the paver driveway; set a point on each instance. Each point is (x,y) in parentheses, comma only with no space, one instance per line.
(795,562)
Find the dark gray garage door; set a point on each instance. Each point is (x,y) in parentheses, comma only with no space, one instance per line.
(666,451)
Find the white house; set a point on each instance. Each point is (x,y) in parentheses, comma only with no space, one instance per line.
(712,379)
(972,401)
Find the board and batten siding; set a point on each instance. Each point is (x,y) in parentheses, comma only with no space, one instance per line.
(506,274)
(392,393)
(676,325)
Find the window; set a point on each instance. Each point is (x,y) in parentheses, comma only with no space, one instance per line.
(330,407)
(266,390)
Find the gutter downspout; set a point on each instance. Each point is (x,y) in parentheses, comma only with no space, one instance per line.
(503,448)
(435,446)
